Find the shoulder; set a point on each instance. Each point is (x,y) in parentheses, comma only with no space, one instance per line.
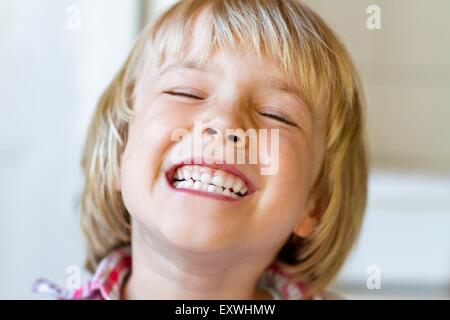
(283,286)
(105,284)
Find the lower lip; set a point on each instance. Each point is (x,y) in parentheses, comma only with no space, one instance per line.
(202,193)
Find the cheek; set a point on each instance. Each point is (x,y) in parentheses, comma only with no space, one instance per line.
(149,138)
(284,197)
(290,184)
(150,134)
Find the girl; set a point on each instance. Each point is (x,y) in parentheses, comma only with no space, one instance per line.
(162,227)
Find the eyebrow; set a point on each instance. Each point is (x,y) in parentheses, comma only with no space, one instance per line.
(184,64)
(283,86)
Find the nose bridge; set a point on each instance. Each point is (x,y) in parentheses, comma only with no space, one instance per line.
(231,114)
(224,119)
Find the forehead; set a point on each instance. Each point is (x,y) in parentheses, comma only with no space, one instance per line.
(221,61)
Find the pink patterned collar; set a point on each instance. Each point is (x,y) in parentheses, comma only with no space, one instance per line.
(113,270)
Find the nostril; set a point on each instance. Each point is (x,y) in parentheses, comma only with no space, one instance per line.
(233,138)
(211,131)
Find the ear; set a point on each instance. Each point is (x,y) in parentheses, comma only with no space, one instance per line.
(310,217)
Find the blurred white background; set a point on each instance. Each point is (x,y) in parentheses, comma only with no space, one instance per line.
(53,71)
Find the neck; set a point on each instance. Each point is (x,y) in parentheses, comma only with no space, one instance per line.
(163,272)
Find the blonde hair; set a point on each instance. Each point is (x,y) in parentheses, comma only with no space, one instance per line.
(296,39)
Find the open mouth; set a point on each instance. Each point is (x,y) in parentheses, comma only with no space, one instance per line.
(216,180)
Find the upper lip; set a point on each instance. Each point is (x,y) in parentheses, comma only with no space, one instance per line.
(232,169)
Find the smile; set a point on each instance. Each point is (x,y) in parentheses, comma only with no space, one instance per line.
(217,181)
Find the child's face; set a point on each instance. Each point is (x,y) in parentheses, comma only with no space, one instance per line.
(233,92)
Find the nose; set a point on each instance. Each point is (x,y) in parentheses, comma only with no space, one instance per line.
(226,121)
(231,136)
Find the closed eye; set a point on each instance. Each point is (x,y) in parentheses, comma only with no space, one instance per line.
(182,94)
(278,118)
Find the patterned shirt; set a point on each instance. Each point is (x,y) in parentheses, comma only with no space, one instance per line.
(115,268)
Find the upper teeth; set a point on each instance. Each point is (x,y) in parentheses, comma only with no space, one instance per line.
(209,180)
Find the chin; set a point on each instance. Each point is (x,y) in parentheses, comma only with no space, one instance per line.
(194,238)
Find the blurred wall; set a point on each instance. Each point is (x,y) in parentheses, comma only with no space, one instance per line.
(52,73)
(405,68)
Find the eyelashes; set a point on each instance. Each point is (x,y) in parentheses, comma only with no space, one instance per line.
(269,115)
(278,118)
(183,94)
(278,115)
